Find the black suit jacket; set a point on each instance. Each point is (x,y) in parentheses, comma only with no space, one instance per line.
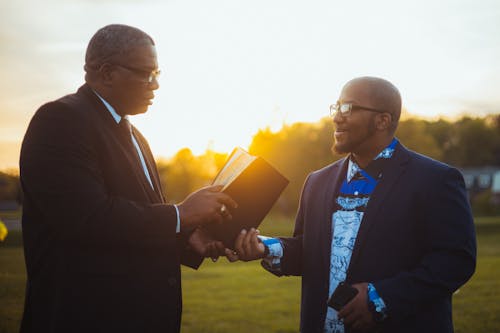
(101,250)
(416,243)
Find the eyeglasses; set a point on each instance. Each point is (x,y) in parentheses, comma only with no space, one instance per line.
(145,75)
(345,109)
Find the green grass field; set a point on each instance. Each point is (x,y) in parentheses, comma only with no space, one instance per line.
(242,297)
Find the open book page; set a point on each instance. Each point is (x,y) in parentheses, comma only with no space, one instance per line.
(237,162)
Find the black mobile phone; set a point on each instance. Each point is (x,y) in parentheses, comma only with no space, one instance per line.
(342,295)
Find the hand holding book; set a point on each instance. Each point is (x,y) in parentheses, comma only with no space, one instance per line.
(255,185)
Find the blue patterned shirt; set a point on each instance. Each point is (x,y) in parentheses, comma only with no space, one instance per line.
(350,205)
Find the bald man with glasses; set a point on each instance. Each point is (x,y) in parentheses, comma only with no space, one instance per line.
(386,229)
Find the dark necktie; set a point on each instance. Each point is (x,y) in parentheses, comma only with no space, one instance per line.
(126,128)
(127,131)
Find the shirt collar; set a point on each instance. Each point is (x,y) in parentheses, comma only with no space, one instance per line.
(353,168)
(111,110)
(388,151)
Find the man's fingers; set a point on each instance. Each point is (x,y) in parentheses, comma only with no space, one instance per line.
(217,217)
(225,213)
(359,325)
(246,246)
(351,314)
(214,188)
(255,240)
(345,311)
(350,319)
(211,251)
(238,244)
(348,315)
(206,205)
(247,242)
(225,199)
(231,255)
(220,248)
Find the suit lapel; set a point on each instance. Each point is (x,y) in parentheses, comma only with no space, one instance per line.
(331,187)
(119,141)
(390,176)
(150,164)
(130,152)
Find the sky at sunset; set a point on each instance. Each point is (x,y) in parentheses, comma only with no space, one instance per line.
(230,67)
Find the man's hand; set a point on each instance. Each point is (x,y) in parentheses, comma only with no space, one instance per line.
(355,314)
(247,247)
(203,244)
(206,205)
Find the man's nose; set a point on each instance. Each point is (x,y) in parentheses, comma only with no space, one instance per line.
(154,84)
(337,118)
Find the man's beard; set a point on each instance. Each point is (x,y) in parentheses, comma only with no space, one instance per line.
(352,146)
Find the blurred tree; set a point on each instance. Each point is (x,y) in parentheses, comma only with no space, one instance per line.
(3,231)
(295,151)
(414,134)
(300,148)
(483,205)
(494,121)
(474,142)
(185,173)
(10,187)
(442,131)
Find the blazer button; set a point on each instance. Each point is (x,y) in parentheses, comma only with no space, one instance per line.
(172,281)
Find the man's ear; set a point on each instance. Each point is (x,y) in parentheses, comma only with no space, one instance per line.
(383,121)
(106,74)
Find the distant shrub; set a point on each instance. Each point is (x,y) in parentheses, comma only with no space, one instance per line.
(484,205)
(3,231)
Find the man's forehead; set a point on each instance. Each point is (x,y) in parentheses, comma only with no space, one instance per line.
(358,90)
(142,55)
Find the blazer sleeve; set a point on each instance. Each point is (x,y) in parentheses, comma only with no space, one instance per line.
(61,175)
(187,256)
(450,253)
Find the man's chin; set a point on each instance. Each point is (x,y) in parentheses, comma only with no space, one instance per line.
(340,148)
(139,110)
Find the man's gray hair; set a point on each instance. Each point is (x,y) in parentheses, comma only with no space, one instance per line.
(111,42)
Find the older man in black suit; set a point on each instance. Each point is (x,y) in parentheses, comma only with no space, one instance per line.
(103,249)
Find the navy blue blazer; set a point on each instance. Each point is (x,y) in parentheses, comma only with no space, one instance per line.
(416,243)
(102,253)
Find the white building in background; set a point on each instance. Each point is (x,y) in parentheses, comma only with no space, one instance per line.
(495,188)
(478,180)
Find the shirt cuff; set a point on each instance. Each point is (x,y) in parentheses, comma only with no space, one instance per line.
(178,227)
(274,246)
(272,262)
(377,301)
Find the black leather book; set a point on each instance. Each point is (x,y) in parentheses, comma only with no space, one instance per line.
(255,185)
